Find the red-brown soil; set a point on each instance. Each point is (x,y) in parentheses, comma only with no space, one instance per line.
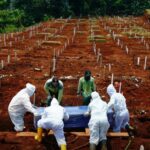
(34,64)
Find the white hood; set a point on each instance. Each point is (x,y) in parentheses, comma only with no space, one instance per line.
(111,90)
(97,107)
(54,102)
(30,89)
(95,95)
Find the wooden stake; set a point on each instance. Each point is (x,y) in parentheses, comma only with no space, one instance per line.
(8,59)
(138,61)
(127,50)
(94,48)
(100,59)
(74,31)
(2,64)
(147,46)
(54,64)
(145,62)
(10,43)
(109,67)
(142,38)
(118,42)
(120,87)
(98,56)
(34,96)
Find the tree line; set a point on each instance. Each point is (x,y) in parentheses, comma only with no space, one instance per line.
(20,13)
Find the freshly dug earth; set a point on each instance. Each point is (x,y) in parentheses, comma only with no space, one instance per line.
(32,60)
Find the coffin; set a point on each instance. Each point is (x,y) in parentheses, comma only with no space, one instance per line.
(76,117)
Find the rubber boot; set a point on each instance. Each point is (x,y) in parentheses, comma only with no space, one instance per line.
(103,145)
(63,147)
(38,137)
(92,146)
(130,130)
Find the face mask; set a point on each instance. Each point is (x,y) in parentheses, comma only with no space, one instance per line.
(55,84)
(87,78)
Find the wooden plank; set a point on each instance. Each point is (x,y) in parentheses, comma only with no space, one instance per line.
(26,134)
(31,133)
(86,134)
(87,131)
(109,134)
(117,134)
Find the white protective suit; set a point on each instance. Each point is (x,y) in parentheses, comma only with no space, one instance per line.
(118,104)
(98,123)
(19,105)
(52,118)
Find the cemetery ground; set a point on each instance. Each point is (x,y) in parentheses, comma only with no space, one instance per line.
(117,48)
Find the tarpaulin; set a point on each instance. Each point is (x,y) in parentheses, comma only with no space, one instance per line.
(76,117)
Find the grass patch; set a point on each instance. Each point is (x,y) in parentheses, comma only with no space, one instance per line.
(138,31)
(58,36)
(52,42)
(97,38)
(147,12)
(81,32)
(44,33)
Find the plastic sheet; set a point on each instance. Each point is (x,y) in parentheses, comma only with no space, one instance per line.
(76,117)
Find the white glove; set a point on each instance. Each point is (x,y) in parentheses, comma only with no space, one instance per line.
(36,114)
(86,114)
(43,115)
(34,106)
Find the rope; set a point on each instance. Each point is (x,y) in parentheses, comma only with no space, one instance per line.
(75,139)
(129,143)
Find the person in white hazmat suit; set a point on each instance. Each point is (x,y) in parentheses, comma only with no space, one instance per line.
(52,118)
(19,105)
(117,104)
(98,123)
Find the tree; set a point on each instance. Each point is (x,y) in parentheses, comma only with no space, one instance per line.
(29,12)
(98,7)
(10,20)
(77,6)
(3,4)
(59,8)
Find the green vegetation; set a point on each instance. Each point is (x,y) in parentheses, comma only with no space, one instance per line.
(10,20)
(15,14)
(97,38)
(147,11)
(139,31)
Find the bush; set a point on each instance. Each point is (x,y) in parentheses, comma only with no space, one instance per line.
(10,28)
